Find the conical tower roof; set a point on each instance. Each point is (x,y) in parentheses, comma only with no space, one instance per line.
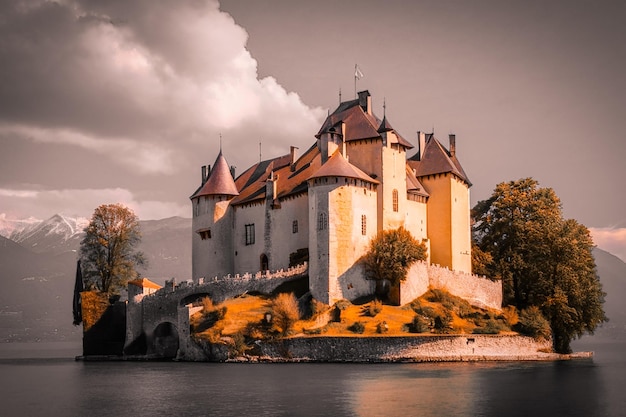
(338,166)
(220,181)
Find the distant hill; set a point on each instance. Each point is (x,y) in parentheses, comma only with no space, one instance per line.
(37,274)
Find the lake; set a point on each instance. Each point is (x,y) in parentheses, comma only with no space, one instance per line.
(44,380)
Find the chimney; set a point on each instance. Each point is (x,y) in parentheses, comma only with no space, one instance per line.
(452,144)
(421,143)
(293,154)
(232,171)
(365,101)
(204,174)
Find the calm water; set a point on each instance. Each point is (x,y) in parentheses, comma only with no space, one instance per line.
(44,380)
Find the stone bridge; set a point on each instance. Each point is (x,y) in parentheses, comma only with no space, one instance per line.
(157,325)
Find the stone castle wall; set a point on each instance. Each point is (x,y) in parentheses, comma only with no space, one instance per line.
(478,291)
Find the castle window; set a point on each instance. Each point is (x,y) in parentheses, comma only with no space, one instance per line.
(205,234)
(196,208)
(294,226)
(322,222)
(394,197)
(250,234)
(363,224)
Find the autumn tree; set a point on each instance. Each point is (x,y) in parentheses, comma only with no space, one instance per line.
(391,253)
(542,259)
(108,252)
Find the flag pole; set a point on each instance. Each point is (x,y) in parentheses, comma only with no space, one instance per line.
(355,69)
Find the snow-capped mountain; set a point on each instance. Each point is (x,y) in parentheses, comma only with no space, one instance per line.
(9,226)
(56,235)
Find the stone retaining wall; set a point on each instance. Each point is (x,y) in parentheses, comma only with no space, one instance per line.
(406,348)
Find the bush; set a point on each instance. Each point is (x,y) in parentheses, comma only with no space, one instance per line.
(357,327)
(238,346)
(285,312)
(532,323)
(382,327)
(317,307)
(418,325)
(510,315)
(491,327)
(374,308)
(442,322)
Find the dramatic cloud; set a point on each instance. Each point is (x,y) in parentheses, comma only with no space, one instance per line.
(83,202)
(143,84)
(612,240)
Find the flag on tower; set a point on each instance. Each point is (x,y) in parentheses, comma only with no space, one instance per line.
(357,72)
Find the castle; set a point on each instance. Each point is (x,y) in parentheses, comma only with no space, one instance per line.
(326,205)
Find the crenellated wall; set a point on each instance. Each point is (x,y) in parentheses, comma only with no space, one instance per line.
(169,306)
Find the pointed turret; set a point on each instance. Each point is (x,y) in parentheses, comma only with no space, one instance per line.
(219,182)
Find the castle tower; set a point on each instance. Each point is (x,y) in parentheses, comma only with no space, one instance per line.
(212,241)
(342,219)
(448,207)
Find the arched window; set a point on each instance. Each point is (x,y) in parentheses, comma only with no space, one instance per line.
(394,199)
(322,222)
(264,263)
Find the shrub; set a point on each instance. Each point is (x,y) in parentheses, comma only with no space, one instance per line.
(442,322)
(343,304)
(238,346)
(418,325)
(317,307)
(285,312)
(374,308)
(382,327)
(491,327)
(510,315)
(357,327)
(532,323)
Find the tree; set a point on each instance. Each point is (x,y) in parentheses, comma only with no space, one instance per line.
(542,259)
(391,254)
(108,250)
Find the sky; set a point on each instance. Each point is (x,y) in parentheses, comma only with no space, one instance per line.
(124,101)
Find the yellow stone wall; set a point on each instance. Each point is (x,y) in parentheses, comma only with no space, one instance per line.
(448,221)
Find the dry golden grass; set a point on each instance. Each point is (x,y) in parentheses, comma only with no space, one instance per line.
(250,310)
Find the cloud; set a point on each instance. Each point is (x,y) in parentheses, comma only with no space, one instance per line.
(82,202)
(612,240)
(142,83)
(145,158)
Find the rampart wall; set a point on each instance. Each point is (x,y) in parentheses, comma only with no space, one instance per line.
(478,291)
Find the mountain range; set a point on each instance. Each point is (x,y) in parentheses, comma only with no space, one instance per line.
(38,267)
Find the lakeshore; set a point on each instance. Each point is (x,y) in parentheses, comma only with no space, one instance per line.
(365,349)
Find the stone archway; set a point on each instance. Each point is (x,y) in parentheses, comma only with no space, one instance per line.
(165,340)
(265,263)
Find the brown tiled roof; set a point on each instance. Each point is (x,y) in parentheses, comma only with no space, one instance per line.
(252,182)
(338,166)
(359,124)
(145,283)
(436,159)
(220,181)
(413,185)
